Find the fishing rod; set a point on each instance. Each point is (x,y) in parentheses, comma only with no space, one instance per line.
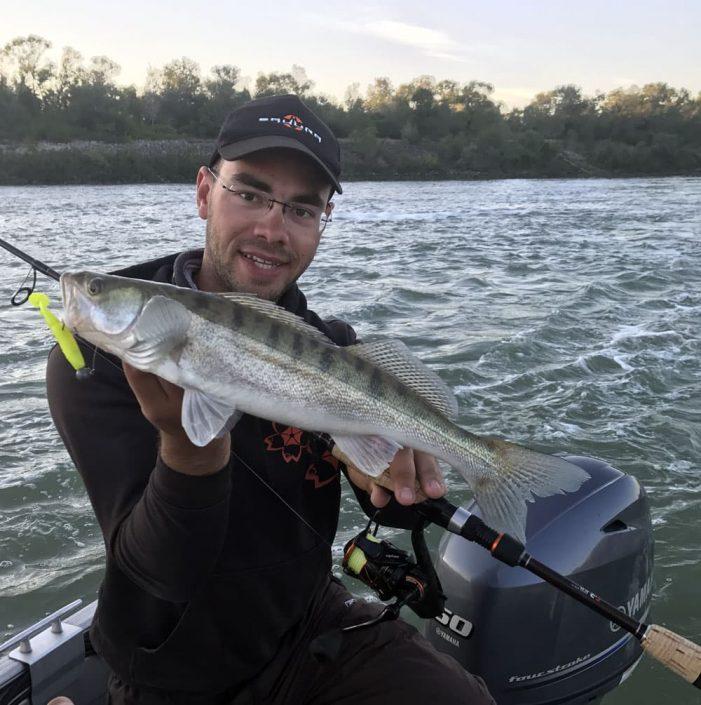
(672,650)
(36,264)
(63,335)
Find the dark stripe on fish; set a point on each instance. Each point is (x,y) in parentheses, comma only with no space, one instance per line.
(274,334)
(377,383)
(327,359)
(297,344)
(237,316)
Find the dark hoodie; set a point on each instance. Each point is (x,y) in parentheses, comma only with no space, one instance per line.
(208,579)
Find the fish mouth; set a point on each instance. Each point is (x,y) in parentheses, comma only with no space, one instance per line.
(89,317)
(73,313)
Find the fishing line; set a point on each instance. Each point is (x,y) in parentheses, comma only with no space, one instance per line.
(281,498)
(97,353)
(320,436)
(26,290)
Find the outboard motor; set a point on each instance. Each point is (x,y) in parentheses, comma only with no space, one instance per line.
(531,643)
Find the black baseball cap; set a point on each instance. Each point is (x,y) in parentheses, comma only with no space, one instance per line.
(282,121)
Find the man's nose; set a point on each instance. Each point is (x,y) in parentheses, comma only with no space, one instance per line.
(272,225)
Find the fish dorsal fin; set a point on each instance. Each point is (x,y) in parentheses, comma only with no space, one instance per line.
(394,357)
(275,312)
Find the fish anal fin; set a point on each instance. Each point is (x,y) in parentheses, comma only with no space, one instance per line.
(370,454)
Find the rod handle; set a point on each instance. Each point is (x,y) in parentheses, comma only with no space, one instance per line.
(677,653)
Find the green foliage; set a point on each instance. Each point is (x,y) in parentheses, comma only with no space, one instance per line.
(425,128)
(283,83)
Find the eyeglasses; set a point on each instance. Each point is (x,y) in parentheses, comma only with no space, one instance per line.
(251,203)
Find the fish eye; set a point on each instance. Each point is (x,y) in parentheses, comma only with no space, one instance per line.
(95,286)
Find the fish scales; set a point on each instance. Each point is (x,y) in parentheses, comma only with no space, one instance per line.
(301,371)
(348,401)
(309,374)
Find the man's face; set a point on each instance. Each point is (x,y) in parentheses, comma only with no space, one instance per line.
(260,255)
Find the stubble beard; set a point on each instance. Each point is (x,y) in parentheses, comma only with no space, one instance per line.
(224,269)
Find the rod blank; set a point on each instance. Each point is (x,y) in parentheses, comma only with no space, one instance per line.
(37,264)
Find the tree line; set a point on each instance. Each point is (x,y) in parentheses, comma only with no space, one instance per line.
(425,128)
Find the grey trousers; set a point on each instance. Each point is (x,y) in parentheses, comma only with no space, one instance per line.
(387,664)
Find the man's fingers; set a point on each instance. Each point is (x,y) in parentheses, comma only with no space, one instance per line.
(160,401)
(403,475)
(379,497)
(429,475)
(149,386)
(143,384)
(407,469)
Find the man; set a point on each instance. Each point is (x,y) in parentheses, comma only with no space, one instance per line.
(218,557)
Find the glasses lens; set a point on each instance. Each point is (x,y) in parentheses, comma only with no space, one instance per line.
(256,204)
(302,217)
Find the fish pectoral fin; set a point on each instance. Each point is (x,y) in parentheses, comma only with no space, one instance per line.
(162,318)
(205,418)
(160,328)
(370,454)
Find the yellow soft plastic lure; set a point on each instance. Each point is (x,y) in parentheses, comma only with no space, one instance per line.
(63,335)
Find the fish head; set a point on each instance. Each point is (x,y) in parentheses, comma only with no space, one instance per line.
(103,308)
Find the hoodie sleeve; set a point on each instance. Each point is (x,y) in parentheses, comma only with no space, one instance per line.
(163,529)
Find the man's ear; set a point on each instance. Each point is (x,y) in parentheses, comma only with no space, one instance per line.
(203,191)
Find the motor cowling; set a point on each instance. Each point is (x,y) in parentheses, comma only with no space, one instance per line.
(531,643)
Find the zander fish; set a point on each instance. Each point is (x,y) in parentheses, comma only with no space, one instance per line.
(235,353)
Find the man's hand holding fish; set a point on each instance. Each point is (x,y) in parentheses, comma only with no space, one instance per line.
(161,403)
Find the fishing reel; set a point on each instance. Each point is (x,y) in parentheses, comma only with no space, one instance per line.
(394,574)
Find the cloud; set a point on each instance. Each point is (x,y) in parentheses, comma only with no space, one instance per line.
(411,34)
(431,42)
(446,56)
(515,96)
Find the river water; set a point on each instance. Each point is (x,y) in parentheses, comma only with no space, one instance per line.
(565,314)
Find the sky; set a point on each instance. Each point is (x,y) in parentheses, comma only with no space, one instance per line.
(520,47)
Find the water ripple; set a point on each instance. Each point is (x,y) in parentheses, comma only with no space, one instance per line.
(564,314)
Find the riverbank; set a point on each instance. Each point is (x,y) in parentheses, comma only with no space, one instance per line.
(365,158)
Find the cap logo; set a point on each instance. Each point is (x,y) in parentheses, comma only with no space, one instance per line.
(292,122)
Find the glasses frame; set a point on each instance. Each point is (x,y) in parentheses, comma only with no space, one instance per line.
(324,219)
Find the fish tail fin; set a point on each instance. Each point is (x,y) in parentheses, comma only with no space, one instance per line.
(513,477)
